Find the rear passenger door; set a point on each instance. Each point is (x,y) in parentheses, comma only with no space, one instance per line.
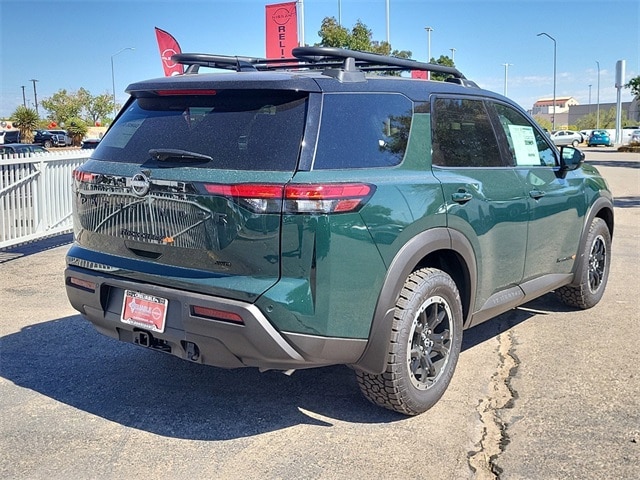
(485,199)
(556,201)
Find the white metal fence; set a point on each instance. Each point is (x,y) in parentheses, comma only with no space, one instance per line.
(35,195)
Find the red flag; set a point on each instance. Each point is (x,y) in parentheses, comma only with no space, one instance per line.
(168,47)
(282,29)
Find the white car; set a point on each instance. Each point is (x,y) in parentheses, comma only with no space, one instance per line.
(566,137)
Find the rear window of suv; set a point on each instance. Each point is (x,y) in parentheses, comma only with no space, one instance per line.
(238,129)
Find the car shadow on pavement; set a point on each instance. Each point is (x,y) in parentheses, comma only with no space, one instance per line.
(68,361)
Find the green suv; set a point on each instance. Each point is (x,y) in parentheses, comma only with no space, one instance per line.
(317,211)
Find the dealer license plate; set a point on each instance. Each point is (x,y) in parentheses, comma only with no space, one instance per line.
(144,311)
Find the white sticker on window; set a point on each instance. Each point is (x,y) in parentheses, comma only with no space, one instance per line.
(123,133)
(524,145)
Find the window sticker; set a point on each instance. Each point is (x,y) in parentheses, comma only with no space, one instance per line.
(124,133)
(524,145)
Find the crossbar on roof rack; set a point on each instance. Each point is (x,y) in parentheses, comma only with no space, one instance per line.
(312,58)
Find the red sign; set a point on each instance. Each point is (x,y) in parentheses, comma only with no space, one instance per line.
(419,74)
(282,29)
(144,311)
(168,47)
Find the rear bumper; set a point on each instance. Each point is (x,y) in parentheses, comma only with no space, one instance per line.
(254,343)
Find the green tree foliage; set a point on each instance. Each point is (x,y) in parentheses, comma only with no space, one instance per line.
(26,119)
(543,122)
(607,120)
(359,38)
(445,61)
(77,129)
(63,106)
(634,85)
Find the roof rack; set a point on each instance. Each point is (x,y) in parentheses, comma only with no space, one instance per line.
(338,62)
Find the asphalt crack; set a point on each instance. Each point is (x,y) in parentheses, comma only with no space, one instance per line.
(495,438)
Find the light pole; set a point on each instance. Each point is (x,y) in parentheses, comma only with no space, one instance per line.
(553,118)
(506,74)
(589,98)
(453,55)
(598,97)
(35,94)
(113,79)
(429,30)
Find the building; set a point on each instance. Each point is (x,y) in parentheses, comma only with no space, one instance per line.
(544,108)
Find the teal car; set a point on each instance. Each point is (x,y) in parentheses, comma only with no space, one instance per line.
(310,212)
(599,137)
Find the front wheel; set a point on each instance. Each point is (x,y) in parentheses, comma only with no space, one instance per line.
(594,272)
(47,144)
(424,347)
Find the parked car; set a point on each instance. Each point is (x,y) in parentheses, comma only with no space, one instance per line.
(90,143)
(566,137)
(635,138)
(9,136)
(300,214)
(599,137)
(585,135)
(21,148)
(52,138)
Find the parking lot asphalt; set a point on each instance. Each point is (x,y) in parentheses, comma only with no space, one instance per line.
(541,392)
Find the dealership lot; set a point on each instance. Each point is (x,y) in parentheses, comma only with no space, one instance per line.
(542,391)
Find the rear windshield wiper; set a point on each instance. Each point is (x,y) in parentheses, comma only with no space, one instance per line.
(177,155)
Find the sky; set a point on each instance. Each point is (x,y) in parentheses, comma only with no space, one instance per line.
(69,44)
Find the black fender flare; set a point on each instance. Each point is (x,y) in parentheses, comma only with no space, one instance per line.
(602,208)
(408,258)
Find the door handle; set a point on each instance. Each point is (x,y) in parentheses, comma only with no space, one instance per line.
(461,197)
(536,194)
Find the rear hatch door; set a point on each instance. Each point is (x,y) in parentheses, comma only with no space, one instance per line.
(186,188)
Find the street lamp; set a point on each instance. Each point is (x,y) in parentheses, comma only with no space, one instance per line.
(429,30)
(590,98)
(506,72)
(598,97)
(113,79)
(553,118)
(453,55)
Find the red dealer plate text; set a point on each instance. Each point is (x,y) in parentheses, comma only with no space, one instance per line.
(144,311)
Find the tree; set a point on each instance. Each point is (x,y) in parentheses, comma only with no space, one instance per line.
(99,109)
(634,85)
(26,119)
(543,122)
(607,120)
(360,38)
(64,105)
(444,61)
(77,129)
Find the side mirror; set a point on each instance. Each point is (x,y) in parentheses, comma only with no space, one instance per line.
(570,159)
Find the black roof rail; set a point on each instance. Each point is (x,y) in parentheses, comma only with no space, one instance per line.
(341,63)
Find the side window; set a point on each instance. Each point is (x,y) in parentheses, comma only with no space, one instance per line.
(363,130)
(526,145)
(463,135)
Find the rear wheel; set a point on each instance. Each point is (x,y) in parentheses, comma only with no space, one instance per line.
(575,143)
(424,347)
(594,271)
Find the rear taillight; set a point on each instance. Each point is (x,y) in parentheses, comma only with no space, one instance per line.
(85,177)
(296,198)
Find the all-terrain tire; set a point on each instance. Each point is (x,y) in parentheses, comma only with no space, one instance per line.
(424,347)
(594,272)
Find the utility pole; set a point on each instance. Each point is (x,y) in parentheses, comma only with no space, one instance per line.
(429,30)
(35,94)
(24,99)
